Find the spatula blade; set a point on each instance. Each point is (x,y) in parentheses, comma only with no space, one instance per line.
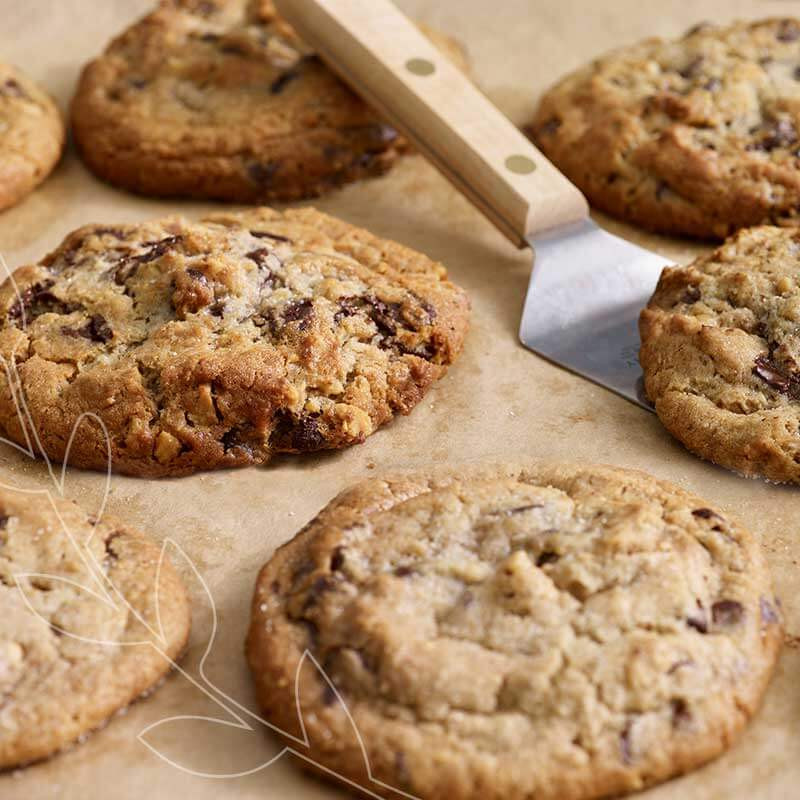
(583,303)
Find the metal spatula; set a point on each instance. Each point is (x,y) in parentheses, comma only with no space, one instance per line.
(587,286)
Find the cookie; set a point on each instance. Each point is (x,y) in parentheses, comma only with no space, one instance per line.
(721,355)
(514,632)
(221,342)
(221,100)
(81,635)
(696,136)
(31,135)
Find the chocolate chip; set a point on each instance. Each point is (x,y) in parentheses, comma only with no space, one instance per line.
(691,295)
(117,233)
(788,31)
(549,127)
(337,559)
(96,330)
(546,557)
(296,433)
(727,612)
(196,275)
(157,249)
(681,715)
(404,571)
(698,620)
(692,69)
(11,88)
(769,373)
(37,300)
(267,235)
(4,518)
(283,80)
(661,190)
(262,174)
(705,513)
(209,37)
(348,307)
(299,311)
(769,615)
(625,748)
(384,315)
(780,133)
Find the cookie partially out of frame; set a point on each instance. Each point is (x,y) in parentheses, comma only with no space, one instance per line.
(511,632)
(219,99)
(31,135)
(721,354)
(81,635)
(696,136)
(197,345)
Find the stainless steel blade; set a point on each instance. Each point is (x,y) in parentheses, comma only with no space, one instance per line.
(582,308)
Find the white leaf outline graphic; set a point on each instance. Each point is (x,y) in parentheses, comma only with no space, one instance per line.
(106,592)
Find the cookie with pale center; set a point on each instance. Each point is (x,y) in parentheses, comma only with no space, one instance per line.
(548,631)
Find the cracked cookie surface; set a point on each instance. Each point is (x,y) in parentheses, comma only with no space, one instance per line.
(696,136)
(221,342)
(31,135)
(70,659)
(721,353)
(516,631)
(221,100)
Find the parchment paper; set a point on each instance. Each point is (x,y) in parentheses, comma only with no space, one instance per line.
(498,401)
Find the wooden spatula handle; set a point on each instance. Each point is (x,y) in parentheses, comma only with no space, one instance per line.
(384,57)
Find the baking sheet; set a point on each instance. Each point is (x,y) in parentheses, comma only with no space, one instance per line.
(498,401)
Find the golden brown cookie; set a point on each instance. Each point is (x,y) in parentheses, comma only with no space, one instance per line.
(91,619)
(695,136)
(218,343)
(220,100)
(511,632)
(721,354)
(31,135)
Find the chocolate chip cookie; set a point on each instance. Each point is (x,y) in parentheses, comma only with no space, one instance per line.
(221,100)
(218,343)
(91,619)
(514,632)
(695,136)
(31,135)
(721,354)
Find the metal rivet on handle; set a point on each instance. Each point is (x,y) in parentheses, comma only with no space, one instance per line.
(521,165)
(420,66)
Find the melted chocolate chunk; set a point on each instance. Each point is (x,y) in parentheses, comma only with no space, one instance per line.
(262,174)
(727,612)
(233,439)
(769,373)
(298,433)
(267,235)
(705,513)
(681,715)
(769,615)
(157,249)
(4,518)
(299,311)
(348,307)
(283,80)
(546,557)
(384,315)
(404,571)
(337,559)
(96,330)
(37,300)
(780,133)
